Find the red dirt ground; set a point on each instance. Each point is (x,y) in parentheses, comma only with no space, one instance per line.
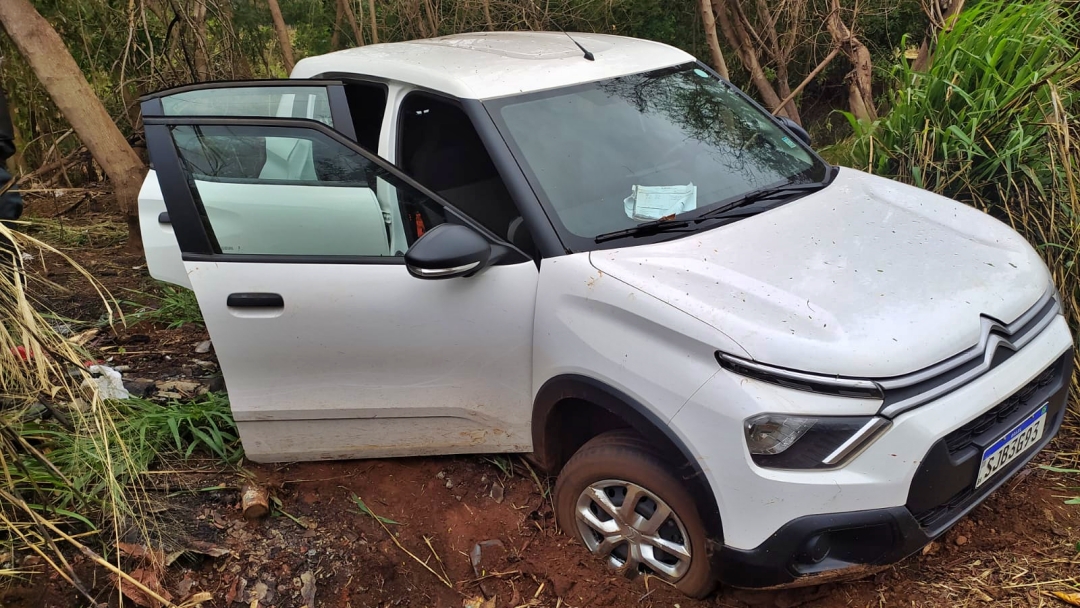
(1014,550)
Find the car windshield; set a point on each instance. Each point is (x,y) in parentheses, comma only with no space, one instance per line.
(610,155)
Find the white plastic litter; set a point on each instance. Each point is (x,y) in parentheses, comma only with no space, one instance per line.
(110,385)
(654,202)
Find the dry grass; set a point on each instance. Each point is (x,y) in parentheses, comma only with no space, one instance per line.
(39,504)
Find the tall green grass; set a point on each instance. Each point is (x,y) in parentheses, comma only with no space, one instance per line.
(174,308)
(993,122)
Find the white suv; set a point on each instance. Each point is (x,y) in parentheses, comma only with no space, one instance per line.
(742,362)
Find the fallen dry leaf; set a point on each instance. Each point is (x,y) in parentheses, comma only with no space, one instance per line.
(1072,599)
(156,556)
(150,580)
(307,590)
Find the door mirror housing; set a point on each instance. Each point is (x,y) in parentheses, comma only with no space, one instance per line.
(447,251)
(795,128)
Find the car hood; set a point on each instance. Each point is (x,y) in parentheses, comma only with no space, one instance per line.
(866,278)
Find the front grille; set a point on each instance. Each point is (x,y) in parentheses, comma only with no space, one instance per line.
(927,519)
(991,421)
(944,485)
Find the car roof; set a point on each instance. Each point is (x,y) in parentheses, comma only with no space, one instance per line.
(484,65)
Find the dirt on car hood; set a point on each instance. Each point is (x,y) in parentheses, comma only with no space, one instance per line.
(866,278)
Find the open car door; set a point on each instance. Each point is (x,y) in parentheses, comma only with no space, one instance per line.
(262,98)
(292,238)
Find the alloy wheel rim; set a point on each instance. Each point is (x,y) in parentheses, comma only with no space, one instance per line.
(633,529)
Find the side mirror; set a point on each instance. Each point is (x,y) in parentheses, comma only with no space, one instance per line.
(447,251)
(795,128)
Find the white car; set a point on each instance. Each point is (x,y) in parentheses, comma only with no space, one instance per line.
(743,363)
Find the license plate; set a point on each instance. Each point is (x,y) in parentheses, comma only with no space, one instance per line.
(1012,444)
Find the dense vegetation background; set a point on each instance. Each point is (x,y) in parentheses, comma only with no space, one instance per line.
(127,48)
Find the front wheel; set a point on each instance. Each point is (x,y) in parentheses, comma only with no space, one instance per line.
(618,497)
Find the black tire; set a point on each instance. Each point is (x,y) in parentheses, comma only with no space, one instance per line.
(626,456)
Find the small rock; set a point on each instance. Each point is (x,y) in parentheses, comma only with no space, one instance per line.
(497,493)
(449,484)
(485,553)
(122,368)
(140,387)
(203,347)
(961,540)
(440,475)
(217,384)
(179,386)
(479,602)
(35,411)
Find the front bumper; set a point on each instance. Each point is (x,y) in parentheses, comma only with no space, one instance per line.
(906,488)
(818,548)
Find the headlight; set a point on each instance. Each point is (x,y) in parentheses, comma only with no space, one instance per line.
(779,441)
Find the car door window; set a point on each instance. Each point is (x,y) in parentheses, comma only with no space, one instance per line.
(440,149)
(367,106)
(311,102)
(289,190)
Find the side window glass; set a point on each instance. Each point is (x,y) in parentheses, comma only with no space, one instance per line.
(440,149)
(367,106)
(253,102)
(296,191)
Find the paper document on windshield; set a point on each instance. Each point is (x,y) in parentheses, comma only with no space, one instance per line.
(647,203)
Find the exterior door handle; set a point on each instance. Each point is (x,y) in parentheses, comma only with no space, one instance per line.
(255,300)
(163,218)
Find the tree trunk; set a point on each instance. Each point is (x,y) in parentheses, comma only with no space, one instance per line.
(938,20)
(736,35)
(282,35)
(781,57)
(708,19)
(861,78)
(339,15)
(487,15)
(51,61)
(202,53)
(374,24)
(358,36)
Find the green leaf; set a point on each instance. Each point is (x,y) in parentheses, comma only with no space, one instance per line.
(367,511)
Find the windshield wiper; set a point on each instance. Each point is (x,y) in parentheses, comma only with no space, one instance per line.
(645,229)
(760,195)
(672,225)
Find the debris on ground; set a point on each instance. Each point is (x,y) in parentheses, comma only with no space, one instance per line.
(147,578)
(482,553)
(254,501)
(108,382)
(307,589)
